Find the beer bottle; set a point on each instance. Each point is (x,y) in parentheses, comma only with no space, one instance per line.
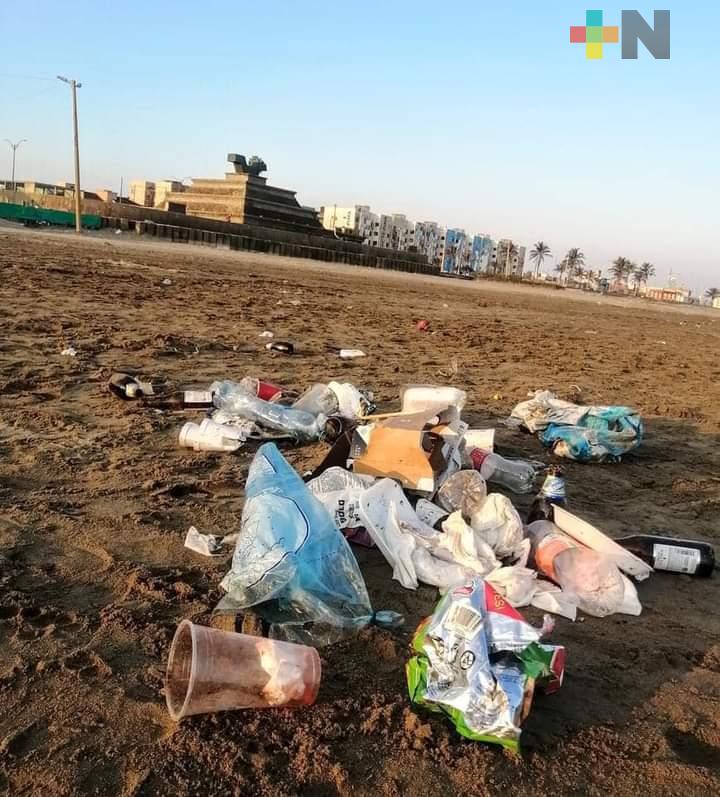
(675,556)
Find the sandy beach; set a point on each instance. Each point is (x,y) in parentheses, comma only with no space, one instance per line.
(96,498)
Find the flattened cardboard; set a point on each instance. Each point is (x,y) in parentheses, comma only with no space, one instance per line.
(395,450)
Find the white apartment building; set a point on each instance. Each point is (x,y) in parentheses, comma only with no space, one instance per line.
(396,231)
(429,239)
(358,219)
(403,232)
(499,262)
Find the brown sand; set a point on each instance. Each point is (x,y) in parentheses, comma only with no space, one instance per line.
(95,499)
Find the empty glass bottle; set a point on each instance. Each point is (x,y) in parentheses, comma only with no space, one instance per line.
(676,556)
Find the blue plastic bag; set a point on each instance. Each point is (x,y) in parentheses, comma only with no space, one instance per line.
(603,434)
(586,434)
(291,563)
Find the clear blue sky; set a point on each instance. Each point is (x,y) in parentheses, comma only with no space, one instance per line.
(476,114)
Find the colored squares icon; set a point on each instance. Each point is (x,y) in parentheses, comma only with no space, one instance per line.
(594,34)
(611,34)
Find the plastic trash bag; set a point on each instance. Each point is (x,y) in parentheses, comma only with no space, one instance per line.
(408,544)
(462,545)
(585,434)
(517,585)
(590,580)
(338,490)
(498,524)
(292,564)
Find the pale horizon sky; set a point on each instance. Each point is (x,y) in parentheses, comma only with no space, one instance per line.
(474,114)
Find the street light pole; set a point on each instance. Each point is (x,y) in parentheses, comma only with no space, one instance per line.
(14,150)
(74,85)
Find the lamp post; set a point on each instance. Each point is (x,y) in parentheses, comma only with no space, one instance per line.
(74,85)
(14,150)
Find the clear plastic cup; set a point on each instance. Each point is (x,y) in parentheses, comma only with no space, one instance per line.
(211,670)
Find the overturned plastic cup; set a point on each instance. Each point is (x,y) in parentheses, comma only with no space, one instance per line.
(210,436)
(211,670)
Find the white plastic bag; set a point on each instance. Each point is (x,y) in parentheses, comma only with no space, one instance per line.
(498,524)
(460,544)
(591,580)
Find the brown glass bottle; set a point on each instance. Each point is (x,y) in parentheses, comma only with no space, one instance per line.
(128,387)
(675,556)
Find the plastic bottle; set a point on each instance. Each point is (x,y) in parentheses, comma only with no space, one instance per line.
(516,476)
(675,556)
(552,493)
(235,399)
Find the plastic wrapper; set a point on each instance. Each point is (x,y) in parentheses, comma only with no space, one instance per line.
(477,662)
(465,491)
(291,564)
(585,434)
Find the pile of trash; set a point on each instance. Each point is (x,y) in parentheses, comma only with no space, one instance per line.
(586,434)
(434,498)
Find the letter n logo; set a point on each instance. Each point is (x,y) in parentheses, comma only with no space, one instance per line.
(656,39)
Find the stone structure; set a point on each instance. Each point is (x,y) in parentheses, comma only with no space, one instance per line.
(244,197)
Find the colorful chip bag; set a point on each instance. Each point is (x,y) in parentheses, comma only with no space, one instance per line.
(478,662)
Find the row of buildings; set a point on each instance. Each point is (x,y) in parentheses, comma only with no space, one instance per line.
(55,189)
(452,250)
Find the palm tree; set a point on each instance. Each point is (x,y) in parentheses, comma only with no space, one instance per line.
(572,261)
(538,254)
(561,268)
(620,268)
(511,252)
(642,275)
